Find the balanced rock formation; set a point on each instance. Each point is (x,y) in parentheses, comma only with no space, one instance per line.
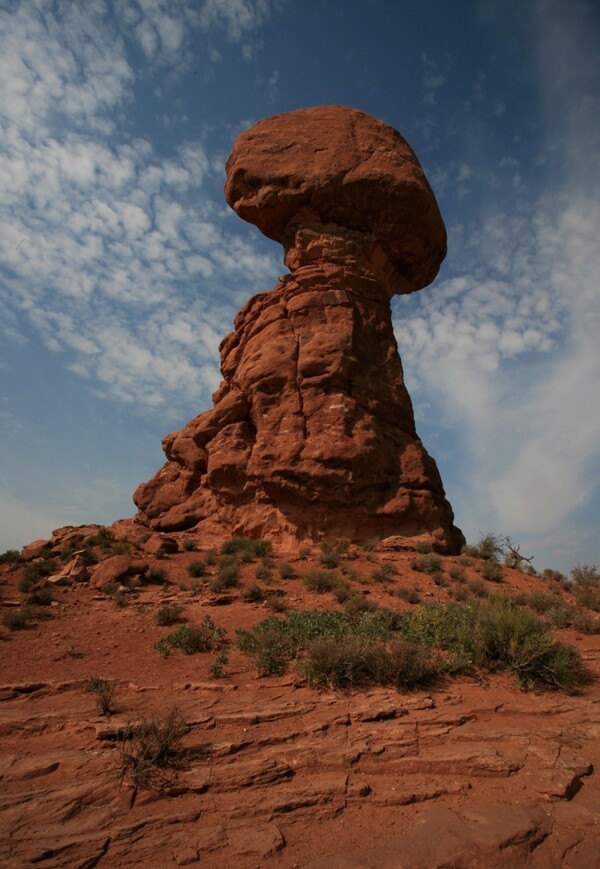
(312,432)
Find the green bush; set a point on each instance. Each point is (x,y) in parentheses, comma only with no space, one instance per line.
(246,548)
(196,569)
(192,639)
(498,633)
(190,545)
(11,556)
(430,563)
(286,571)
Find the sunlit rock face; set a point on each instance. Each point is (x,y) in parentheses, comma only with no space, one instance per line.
(312,431)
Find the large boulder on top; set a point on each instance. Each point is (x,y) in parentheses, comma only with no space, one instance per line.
(333,165)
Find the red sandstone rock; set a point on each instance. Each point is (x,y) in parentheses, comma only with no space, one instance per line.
(75,571)
(312,432)
(117,568)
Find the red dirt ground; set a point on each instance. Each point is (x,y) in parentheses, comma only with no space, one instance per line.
(475,772)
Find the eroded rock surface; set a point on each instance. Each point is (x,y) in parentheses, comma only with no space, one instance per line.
(312,431)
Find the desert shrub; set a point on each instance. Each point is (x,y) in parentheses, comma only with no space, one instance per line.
(304,552)
(152,747)
(196,569)
(30,578)
(11,556)
(88,556)
(459,593)
(276,602)
(190,545)
(422,547)
(430,563)
(370,545)
(490,547)
(539,601)
(120,598)
(246,548)
(551,575)
(457,573)
(228,575)
(586,623)
(342,591)
(332,552)
(492,571)
(268,645)
(168,614)
(332,648)
(439,578)
(252,593)
(356,604)
(498,633)
(217,668)
(156,576)
(192,639)
(121,547)
(587,596)
(104,692)
(40,597)
(211,557)
(16,620)
(286,571)
(384,573)
(468,553)
(410,595)
(586,574)
(104,538)
(321,581)
(274,642)
(478,588)
(263,572)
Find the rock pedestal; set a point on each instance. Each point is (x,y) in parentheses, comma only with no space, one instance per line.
(312,431)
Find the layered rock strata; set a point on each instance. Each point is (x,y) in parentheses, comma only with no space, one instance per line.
(312,432)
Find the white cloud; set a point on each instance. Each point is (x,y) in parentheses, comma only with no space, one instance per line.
(103,242)
(509,344)
(237,18)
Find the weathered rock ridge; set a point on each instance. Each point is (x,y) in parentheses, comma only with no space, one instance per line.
(312,431)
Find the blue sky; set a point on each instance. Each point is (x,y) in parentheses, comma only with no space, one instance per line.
(121,266)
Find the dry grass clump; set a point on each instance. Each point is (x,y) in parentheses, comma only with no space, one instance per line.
(104,692)
(149,749)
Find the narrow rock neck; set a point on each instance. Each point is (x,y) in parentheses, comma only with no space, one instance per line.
(357,257)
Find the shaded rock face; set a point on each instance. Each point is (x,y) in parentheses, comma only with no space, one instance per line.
(312,431)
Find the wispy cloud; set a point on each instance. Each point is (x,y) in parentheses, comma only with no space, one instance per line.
(508,343)
(106,246)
